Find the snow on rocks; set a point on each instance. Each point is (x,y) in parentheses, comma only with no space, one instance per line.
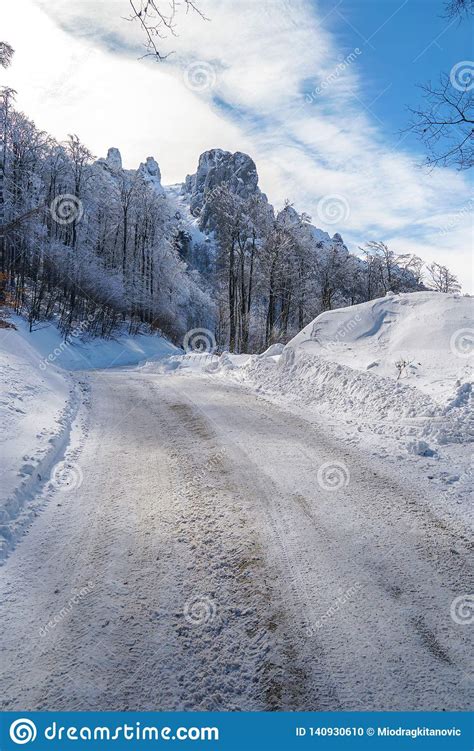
(112,162)
(150,173)
(216,167)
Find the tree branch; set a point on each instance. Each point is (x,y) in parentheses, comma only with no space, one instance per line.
(157,22)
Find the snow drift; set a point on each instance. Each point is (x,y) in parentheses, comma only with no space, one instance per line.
(426,334)
(398,357)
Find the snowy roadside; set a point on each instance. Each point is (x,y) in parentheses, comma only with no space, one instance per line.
(341,371)
(39,408)
(393,421)
(43,413)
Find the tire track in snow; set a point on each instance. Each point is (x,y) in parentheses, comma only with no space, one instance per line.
(194,489)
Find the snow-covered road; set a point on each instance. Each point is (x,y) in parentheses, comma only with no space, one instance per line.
(205,562)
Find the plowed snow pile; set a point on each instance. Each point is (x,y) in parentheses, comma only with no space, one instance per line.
(401,359)
(433,333)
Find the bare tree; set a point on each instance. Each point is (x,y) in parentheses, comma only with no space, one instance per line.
(441,279)
(158,19)
(412,263)
(458,8)
(6,54)
(387,263)
(446,122)
(7,95)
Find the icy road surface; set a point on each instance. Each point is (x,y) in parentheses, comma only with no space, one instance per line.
(208,555)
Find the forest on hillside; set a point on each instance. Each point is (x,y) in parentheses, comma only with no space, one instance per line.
(96,247)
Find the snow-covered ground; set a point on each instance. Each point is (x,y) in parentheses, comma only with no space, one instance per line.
(240,533)
(39,409)
(432,332)
(342,368)
(205,559)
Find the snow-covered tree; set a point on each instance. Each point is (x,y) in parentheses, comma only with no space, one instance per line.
(6,54)
(441,278)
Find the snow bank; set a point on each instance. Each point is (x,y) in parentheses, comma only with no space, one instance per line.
(92,353)
(343,366)
(342,369)
(432,333)
(39,405)
(36,409)
(402,359)
(330,386)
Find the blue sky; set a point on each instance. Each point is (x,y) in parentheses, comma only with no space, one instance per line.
(404,43)
(265,78)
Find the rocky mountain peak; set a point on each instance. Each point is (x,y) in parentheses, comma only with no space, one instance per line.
(114,159)
(216,167)
(151,167)
(112,163)
(150,172)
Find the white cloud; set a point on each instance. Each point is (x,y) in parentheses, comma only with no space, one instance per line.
(266,56)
